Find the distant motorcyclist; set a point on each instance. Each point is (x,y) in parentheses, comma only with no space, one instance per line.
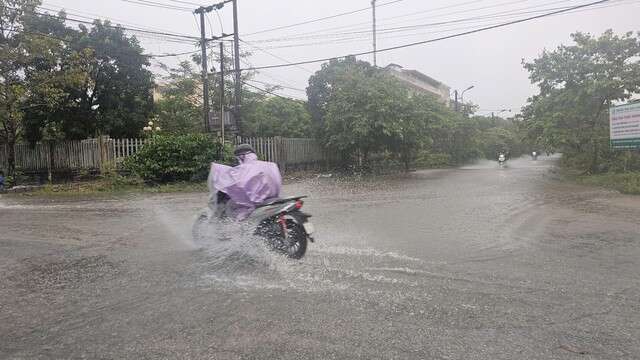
(246,185)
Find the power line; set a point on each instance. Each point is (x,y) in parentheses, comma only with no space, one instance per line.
(173,54)
(276,56)
(158,5)
(270,92)
(283,83)
(279,85)
(277,79)
(435,39)
(382,19)
(115,27)
(219,21)
(71,42)
(360,36)
(78,13)
(185,2)
(320,19)
(367,31)
(209,22)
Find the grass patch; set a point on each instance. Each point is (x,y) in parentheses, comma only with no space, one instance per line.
(626,183)
(114,185)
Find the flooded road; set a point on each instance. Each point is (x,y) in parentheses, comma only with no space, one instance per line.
(478,262)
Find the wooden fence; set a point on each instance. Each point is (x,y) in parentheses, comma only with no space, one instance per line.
(286,151)
(89,154)
(96,154)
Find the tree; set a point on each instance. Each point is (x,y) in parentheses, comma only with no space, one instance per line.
(278,116)
(359,112)
(179,108)
(114,97)
(321,87)
(32,77)
(578,83)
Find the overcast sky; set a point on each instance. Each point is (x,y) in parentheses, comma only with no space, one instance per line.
(489,60)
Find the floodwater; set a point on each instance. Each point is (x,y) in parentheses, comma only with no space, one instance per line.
(478,262)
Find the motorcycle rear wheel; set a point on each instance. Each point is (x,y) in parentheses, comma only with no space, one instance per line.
(295,243)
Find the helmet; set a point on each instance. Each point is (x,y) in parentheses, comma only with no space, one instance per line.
(243,149)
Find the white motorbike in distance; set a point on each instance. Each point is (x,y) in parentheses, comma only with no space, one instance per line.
(502,159)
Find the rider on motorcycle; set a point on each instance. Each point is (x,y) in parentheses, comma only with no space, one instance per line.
(246,185)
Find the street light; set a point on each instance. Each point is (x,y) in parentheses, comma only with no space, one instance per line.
(463,91)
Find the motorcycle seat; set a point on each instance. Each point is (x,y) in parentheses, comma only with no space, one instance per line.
(277,201)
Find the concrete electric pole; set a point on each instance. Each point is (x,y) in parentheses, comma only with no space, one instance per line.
(373,6)
(202,10)
(205,70)
(222,91)
(238,80)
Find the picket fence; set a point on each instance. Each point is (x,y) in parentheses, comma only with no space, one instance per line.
(286,152)
(96,154)
(89,154)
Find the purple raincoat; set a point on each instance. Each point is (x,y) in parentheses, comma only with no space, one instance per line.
(248,184)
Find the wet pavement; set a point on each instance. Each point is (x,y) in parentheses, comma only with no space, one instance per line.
(479,262)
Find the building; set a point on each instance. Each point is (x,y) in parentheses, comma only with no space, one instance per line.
(420,82)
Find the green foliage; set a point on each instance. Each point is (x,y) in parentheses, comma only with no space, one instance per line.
(168,158)
(322,84)
(32,74)
(626,183)
(96,81)
(179,108)
(578,84)
(277,116)
(430,160)
(500,135)
(361,112)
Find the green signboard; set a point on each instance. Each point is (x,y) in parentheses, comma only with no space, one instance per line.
(624,126)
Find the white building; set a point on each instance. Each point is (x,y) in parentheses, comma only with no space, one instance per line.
(420,82)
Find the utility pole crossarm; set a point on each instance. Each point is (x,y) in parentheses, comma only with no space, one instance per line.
(210,8)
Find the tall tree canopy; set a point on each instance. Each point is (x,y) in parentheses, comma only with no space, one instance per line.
(35,69)
(321,87)
(578,83)
(115,96)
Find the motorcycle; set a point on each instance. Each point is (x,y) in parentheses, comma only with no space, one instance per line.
(281,223)
(502,159)
(534,156)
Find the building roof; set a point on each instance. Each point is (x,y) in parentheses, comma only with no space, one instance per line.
(417,74)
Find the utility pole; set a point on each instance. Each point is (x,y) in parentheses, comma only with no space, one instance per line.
(455,92)
(205,71)
(373,6)
(203,42)
(238,80)
(222,90)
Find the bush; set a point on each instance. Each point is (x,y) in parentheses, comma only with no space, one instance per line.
(432,160)
(627,183)
(168,158)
